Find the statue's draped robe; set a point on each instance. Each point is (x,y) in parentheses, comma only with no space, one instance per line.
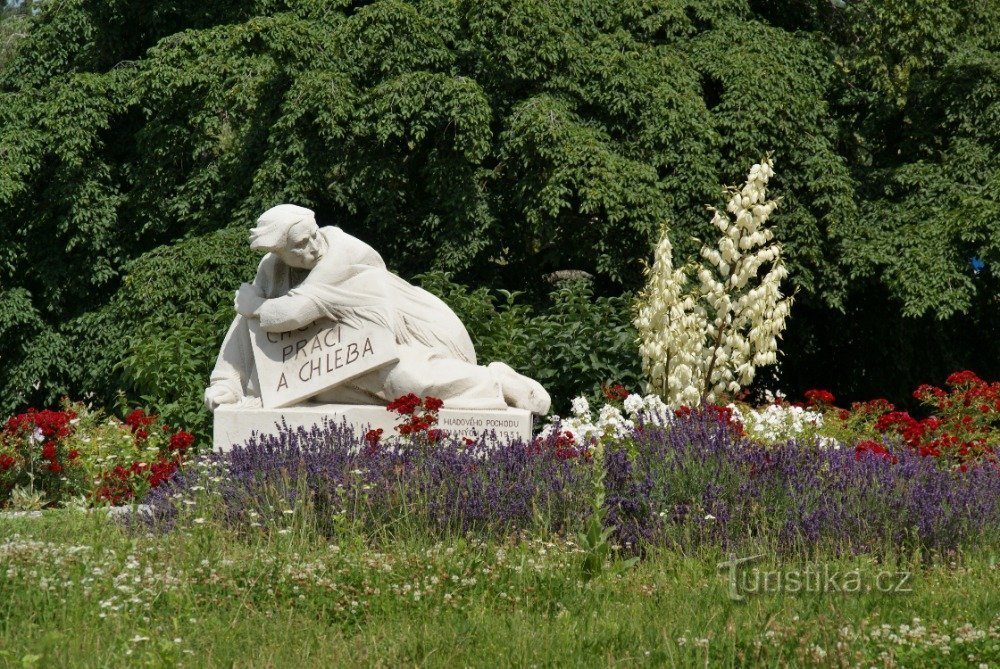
(351,284)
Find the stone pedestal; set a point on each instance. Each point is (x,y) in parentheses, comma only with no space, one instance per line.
(234,425)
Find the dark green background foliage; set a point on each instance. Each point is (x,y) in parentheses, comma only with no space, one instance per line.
(577,344)
(497,141)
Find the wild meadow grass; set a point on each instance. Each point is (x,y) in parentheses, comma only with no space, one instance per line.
(79,590)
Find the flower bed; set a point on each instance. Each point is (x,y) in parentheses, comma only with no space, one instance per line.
(782,477)
(78,456)
(446,485)
(695,482)
(682,479)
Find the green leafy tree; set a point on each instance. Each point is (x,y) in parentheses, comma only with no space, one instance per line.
(499,140)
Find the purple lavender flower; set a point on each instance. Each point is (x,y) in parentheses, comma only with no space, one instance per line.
(686,484)
(487,486)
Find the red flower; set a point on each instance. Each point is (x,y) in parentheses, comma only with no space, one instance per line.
(614,393)
(874,448)
(138,421)
(894,419)
(74,454)
(49,451)
(563,447)
(55,467)
(372,438)
(6,462)
(181,441)
(416,423)
(52,424)
(964,378)
(160,471)
(404,405)
(820,397)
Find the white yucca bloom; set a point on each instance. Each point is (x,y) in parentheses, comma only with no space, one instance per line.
(700,340)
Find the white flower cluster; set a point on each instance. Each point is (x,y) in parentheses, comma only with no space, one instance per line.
(777,423)
(610,422)
(697,342)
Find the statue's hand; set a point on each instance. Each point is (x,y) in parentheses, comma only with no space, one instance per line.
(217,395)
(248,300)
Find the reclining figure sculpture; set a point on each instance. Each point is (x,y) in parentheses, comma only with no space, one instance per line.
(312,273)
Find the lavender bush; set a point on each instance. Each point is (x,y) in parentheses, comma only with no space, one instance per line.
(688,484)
(694,482)
(448,486)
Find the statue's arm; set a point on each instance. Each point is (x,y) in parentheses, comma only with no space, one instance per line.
(277,314)
(228,382)
(288,312)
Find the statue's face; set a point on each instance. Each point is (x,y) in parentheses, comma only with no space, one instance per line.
(302,246)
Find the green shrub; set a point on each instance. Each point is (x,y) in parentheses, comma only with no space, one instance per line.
(577,342)
(159,337)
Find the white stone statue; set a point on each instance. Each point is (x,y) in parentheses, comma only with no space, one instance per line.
(312,273)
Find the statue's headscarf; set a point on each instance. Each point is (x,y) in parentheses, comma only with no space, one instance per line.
(274,224)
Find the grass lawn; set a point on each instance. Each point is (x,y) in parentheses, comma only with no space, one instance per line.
(78,591)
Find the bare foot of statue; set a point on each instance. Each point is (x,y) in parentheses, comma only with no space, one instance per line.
(519,390)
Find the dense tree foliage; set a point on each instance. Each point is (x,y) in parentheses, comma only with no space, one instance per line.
(498,140)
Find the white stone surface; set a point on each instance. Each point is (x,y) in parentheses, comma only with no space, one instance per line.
(234,425)
(294,366)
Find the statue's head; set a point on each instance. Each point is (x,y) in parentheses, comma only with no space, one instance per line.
(290,232)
